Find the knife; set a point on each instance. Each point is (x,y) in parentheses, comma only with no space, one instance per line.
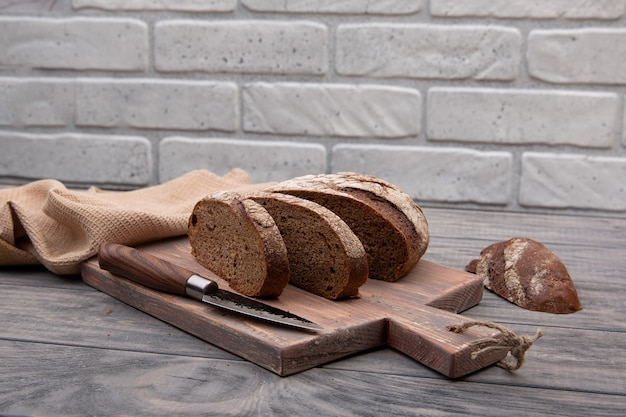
(161,275)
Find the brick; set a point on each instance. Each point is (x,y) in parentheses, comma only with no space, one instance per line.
(624,124)
(282,47)
(32,6)
(382,7)
(545,9)
(264,161)
(573,181)
(158,104)
(78,158)
(590,55)
(334,110)
(173,5)
(587,119)
(433,174)
(36,102)
(428,51)
(76,43)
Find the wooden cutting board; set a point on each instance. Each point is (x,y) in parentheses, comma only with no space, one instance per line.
(410,315)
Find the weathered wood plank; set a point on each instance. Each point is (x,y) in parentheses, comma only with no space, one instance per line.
(602,311)
(98,321)
(93,319)
(564,359)
(585,231)
(38,276)
(594,261)
(72,381)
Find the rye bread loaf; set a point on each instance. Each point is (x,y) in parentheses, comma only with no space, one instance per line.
(325,257)
(392,228)
(239,241)
(527,273)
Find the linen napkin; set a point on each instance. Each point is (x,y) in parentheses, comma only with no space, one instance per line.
(45,223)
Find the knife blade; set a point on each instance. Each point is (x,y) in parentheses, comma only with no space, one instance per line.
(161,275)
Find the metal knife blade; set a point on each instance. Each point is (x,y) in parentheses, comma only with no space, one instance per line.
(159,274)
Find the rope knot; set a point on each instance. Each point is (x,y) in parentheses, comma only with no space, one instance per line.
(515,345)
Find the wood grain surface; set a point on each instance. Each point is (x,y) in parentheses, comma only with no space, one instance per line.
(411,315)
(68,349)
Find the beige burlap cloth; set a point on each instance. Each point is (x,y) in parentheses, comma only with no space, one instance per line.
(45,223)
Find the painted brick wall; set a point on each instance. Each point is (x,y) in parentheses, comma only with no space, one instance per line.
(495,104)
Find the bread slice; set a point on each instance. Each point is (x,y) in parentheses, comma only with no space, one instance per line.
(326,258)
(239,241)
(392,228)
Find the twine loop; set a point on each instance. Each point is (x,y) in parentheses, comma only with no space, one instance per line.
(515,345)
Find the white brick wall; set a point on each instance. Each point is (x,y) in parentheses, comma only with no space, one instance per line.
(495,104)
(428,51)
(586,119)
(159,5)
(601,54)
(157,104)
(551,180)
(36,102)
(539,9)
(434,174)
(383,7)
(75,44)
(241,46)
(265,161)
(70,156)
(331,109)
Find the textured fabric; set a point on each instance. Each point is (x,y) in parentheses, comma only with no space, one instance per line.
(45,223)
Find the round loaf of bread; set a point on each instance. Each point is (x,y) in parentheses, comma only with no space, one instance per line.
(527,273)
(239,241)
(392,228)
(325,257)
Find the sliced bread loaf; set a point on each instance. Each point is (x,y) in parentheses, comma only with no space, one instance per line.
(238,240)
(326,258)
(392,228)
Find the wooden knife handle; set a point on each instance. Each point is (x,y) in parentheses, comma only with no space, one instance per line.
(143,268)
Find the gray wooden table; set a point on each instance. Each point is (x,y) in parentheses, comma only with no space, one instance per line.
(67,349)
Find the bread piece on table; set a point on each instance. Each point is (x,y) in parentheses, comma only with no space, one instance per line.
(528,274)
(325,256)
(392,228)
(239,241)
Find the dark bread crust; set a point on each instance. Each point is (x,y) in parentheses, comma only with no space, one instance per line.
(239,241)
(325,256)
(528,274)
(392,228)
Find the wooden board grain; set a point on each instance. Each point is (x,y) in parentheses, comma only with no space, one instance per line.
(410,315)
(123,383)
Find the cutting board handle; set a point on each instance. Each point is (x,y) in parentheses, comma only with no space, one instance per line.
(432,343)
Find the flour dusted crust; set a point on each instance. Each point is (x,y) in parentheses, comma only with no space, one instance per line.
(238,240)
(326,258)
(528,274)
(392,228)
